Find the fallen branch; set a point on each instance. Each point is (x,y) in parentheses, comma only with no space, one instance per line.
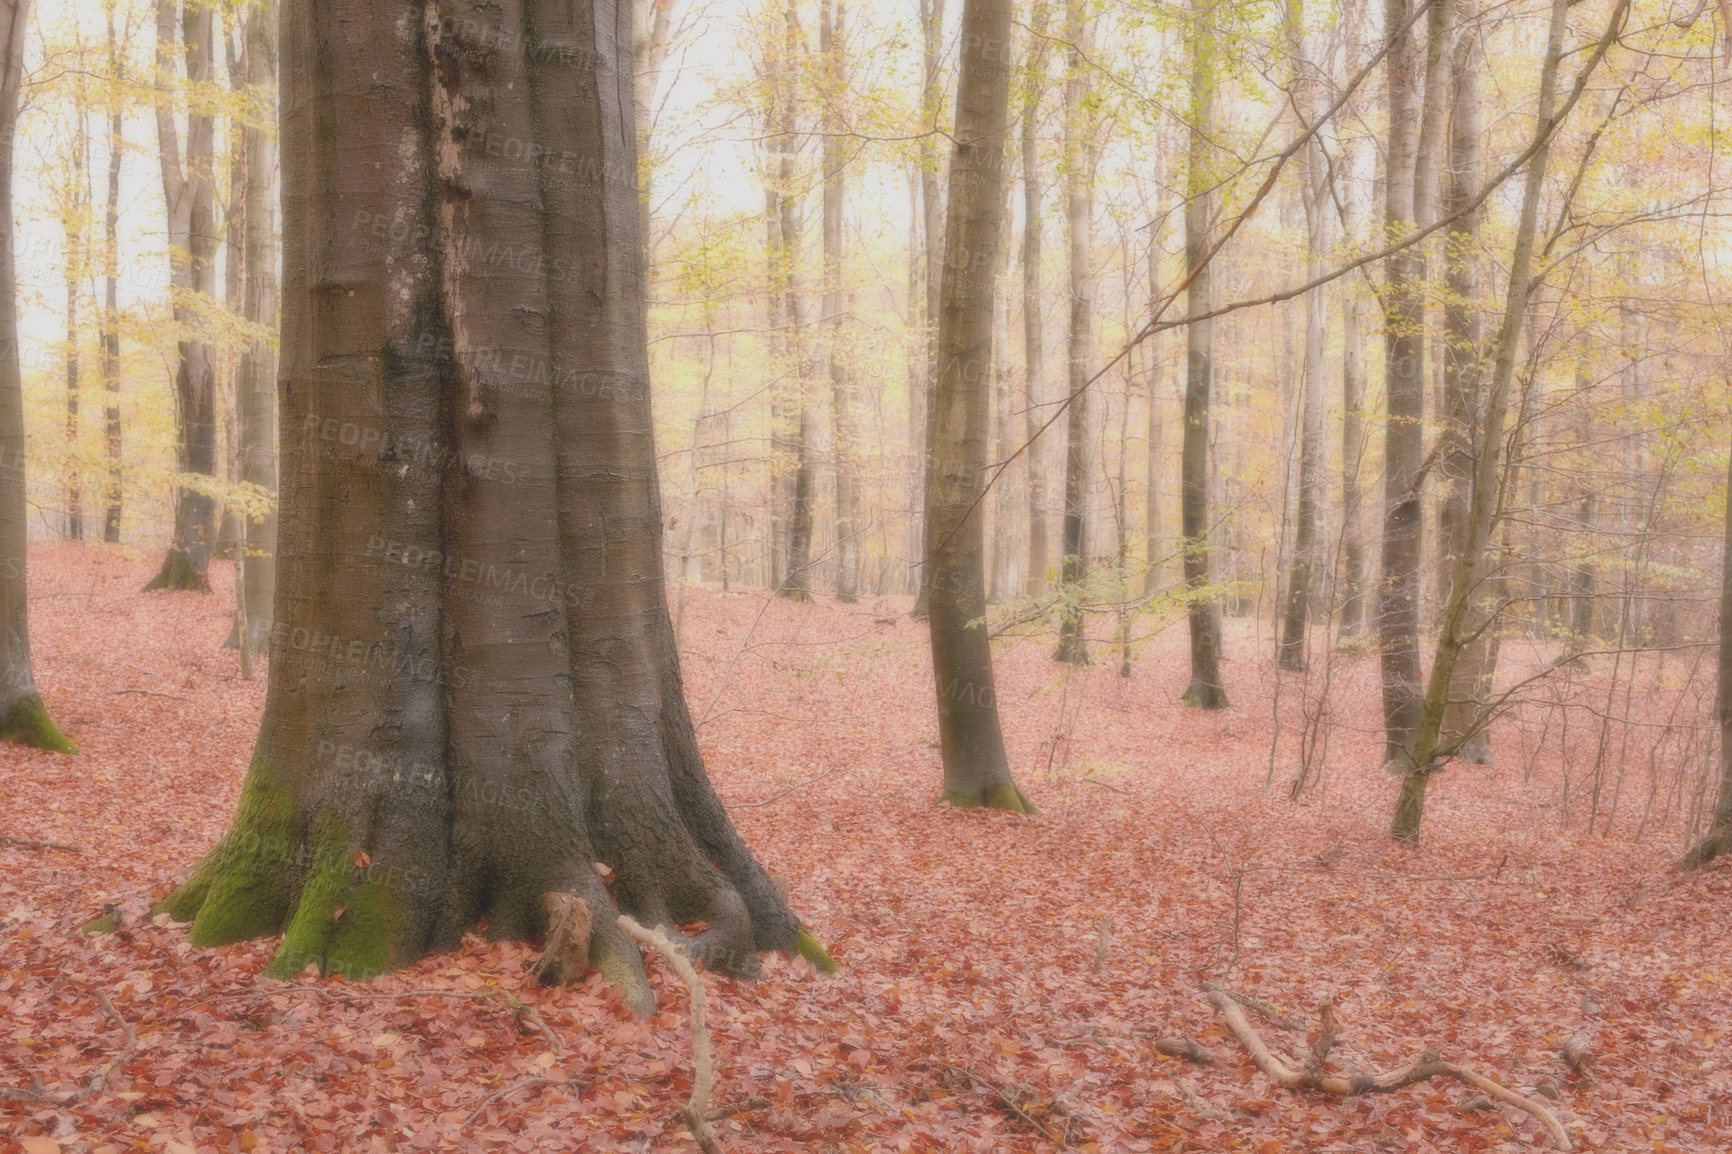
(696,1111)
(1189,1050)
(34,843)
(1285,1021)
(1201,1105)
(99,1080)
(1427,1066)
(778,797)
(152,693)
(744,1106)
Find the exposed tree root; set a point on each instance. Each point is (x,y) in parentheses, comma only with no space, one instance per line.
(1186,1048)
(1428,1065)
(523,1084)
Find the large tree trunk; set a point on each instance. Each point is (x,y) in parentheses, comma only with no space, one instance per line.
(23,717)
(1461,381)
(1033,344)
(1079,221)
(474,694)
(256,382)
(190,196)
(976,770)
(1404,387)
(833,46)
(1195,468)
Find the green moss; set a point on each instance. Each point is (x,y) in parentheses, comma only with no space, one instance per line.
(28,723)
(624,972)
(240,890)
(810,948)
(178,572)
(104,923)
(344,923)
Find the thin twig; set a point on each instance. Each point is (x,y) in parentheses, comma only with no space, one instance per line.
(523,1084)
(780,796)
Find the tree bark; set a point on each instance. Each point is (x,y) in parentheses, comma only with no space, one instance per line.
(1302,574)
(1429,751)
(1718,839)
(1353,440)
(795,578)
(833,46)
(1033,344)
(1079,221)
(1404,385)
(1156,543)
(1196,469)
(976,769)
(76,208)
(190,196)
(1461,379)
(256,381)
(932,229)
(474,695)
(23,717)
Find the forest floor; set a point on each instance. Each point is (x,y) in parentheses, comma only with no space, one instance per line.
(968,1015)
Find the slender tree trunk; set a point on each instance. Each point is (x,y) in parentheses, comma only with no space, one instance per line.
(1196,467)
(796,578)
(113,491)
(932,214)
(1303,573)
(1428,751)
(190,197)
(976,770)
(1033,344)
(1157,440)
(1461,378)
(256,381)
(75,259)
(833,46)
(23,718)
(1079,221)
(652,27)
(430,759)
(1353,443)
(1404,387)
(1718,839)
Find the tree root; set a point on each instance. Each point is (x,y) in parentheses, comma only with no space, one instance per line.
(1428,1065)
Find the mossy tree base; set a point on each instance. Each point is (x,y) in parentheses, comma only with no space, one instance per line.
(273,872)
(28,723)
(1004,795)
(179,572)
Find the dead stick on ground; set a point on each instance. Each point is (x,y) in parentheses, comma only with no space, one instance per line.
(696,1111)
(98,1081)
(1428,1065)
(33,843)
(1004,1096)
(524,1084)
(1103,941)
(1285,1021)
